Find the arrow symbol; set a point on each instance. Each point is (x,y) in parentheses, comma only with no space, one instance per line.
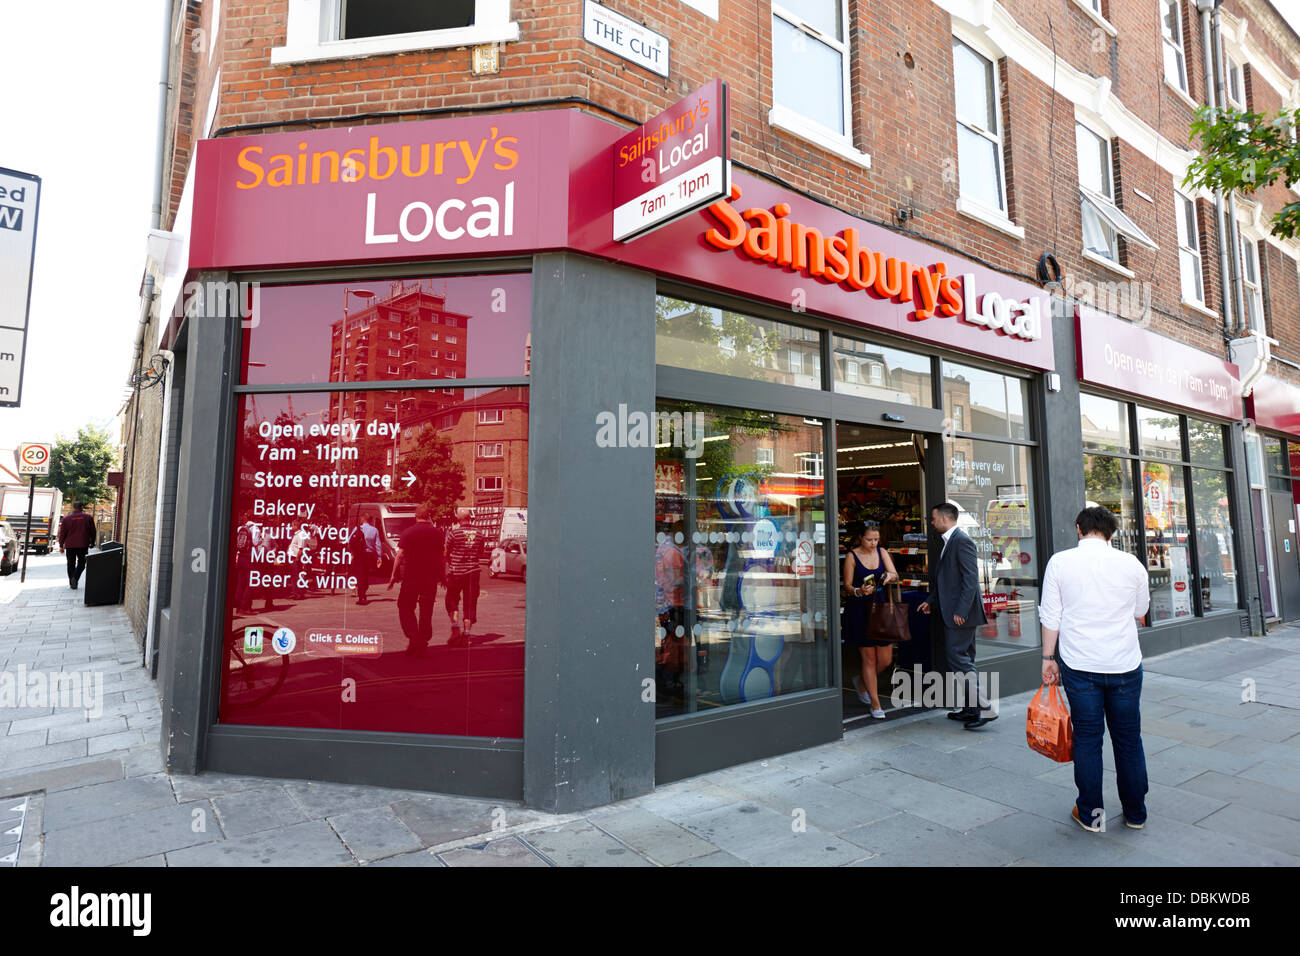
(409,478)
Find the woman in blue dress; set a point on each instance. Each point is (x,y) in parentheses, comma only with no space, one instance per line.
(867,569)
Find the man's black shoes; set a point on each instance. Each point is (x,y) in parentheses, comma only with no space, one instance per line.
(963,715)
(980,721)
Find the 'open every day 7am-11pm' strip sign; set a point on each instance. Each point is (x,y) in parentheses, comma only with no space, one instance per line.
(673,164)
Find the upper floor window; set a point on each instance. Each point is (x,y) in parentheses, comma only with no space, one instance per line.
(1248,253)
(1171,28)
(979,132)
(810,62)
(1189,250)
(1103,221)
(1236,88)
(340,29)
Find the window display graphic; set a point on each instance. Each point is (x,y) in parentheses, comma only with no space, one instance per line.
(360,590)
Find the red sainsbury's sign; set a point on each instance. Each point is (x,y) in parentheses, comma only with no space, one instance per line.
(672,164)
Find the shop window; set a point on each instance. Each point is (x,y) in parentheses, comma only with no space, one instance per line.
(1103,221)
(1171,31)
(979,129)
(1164,508)
(1104,423)
(305,612)
(1205,440)
(894,376)
(297,336)
(1159,434)
(990,403)
(700,337)
(1218,560)
(1189,553)
(1108,482)
(810,68)
(740,613)
(991,484)
(1189,250)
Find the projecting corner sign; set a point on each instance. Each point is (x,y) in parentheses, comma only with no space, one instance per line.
(672,165)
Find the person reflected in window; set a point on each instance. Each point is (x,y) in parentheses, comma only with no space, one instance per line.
(462,578)
(868,568)
(419,566)
(366,557)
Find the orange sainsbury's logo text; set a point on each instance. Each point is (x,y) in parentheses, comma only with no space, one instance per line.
(458,158)
(766,235)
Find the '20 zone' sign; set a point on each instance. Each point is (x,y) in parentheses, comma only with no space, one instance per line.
(673,164)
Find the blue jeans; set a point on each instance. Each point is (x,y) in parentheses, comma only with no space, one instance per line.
(1107,702)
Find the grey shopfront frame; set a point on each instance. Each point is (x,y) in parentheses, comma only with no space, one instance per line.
(590,736)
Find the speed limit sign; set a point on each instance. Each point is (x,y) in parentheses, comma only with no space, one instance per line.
(34,458)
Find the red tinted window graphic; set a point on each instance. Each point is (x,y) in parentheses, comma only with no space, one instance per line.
(380,330)
(355,516)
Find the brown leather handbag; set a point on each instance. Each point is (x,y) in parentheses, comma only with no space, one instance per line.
(888,620)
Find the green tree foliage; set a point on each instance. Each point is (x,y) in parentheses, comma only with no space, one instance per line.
(1246,151)
(79,467)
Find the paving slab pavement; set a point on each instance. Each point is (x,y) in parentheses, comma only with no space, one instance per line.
(1221,734)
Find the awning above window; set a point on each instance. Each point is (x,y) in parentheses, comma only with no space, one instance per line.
(1115,216)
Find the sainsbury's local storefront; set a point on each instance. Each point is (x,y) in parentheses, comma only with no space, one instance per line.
(659,442)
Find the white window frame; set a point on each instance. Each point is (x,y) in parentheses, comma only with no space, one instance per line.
(1233,68)
(1104,205)
(313,28)
(785,118)
(494,449)
(1193,249)
(481,483)
(765,456)
(491,416)
(451,340)
(1248,255)
(1180,83)
(993,136)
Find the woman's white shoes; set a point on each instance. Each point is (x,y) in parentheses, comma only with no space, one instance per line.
(878,714)
(857,685)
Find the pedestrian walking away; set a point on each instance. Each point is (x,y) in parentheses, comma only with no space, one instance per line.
(462,578)
(955,597)
(1094,597)
(419,566)
(76,537)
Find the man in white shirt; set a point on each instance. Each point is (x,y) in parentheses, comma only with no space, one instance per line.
(1094,596)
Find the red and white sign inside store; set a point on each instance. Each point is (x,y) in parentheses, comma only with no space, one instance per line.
(1276,405)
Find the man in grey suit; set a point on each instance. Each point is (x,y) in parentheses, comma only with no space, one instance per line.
(955,596)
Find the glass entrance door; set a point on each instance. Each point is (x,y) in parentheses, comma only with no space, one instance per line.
(882,500)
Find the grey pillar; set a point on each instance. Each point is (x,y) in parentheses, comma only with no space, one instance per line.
(588,734)
(188,645)
(1061,483)
(1243,528)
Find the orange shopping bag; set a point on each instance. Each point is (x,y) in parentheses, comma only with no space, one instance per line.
(1048,725)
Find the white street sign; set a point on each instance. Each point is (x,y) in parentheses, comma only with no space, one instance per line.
(19,198)
(33,458)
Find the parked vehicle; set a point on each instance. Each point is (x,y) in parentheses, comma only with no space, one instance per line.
(391,519)
(8,549)
(47,508)
(510,556)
